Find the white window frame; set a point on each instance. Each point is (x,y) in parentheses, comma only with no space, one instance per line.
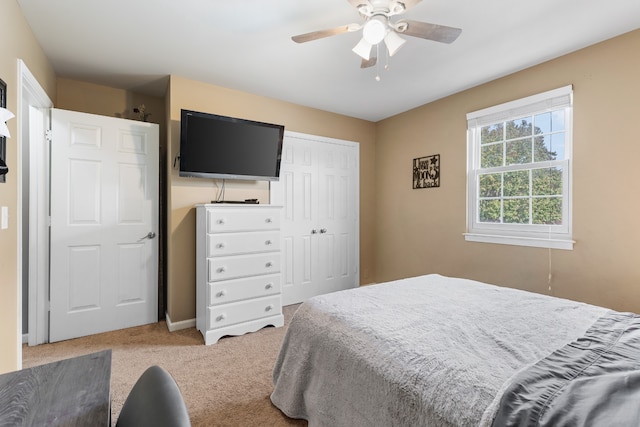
(544,236)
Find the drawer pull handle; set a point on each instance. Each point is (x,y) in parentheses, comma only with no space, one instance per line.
(269,264)
(221,293)
(220,246)
(221,270)
(269,307)
(221,317)
(268,220)
(268,242)
(220,221)
(268,286)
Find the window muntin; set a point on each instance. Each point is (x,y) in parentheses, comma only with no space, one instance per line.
(519,168)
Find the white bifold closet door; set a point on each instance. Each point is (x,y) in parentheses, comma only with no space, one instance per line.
(319,192)
(104,218)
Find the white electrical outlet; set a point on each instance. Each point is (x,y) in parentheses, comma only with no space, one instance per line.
(5,217)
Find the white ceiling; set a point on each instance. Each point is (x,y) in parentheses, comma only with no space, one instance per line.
(246,45)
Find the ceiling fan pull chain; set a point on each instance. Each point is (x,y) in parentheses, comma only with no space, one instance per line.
(386,62)
(378,63)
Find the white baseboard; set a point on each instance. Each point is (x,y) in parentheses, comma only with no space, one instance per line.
(176,326)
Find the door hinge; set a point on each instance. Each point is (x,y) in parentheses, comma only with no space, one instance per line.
(48,134)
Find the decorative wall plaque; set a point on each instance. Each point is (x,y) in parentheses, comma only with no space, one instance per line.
(426,172)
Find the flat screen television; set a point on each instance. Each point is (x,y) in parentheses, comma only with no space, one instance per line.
(213,146)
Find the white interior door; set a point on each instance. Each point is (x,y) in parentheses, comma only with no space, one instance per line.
(338,217)
(104,217)
(318,190)
(297,193)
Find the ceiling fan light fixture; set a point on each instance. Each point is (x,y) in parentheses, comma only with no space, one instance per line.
(394,42)
(363,49)
(375,30)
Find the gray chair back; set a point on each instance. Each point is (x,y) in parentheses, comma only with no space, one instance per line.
(155,400)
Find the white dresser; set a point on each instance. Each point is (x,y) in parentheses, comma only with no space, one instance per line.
(237,269)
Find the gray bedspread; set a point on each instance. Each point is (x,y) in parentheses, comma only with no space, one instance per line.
(424,351)
(592,381)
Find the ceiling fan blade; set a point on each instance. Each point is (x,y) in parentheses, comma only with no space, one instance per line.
(315,35)
(373,58)
(435,32)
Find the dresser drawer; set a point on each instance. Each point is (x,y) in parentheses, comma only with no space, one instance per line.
(231,267)
(236,243)
(225,220)
(238,289)
(243,311)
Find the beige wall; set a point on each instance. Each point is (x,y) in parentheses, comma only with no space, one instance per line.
(16,42)
(420,231)
(107,101)
(185,192)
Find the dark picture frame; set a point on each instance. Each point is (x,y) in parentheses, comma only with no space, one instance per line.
(3,139)
(426,172)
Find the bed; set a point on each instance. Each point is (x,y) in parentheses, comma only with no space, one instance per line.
(440,351)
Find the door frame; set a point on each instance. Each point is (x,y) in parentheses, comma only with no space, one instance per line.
(31,94)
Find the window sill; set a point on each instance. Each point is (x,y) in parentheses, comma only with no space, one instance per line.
(536,242)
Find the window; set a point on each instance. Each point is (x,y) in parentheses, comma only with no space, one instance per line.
(519,172)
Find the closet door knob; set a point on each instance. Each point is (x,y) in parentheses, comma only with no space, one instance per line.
(323,230)
(314,231)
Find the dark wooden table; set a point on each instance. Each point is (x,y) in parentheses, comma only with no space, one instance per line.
(71,392)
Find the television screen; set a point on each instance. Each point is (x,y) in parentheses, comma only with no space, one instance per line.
(213,146)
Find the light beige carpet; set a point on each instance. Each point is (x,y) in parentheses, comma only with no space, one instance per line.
(224,384)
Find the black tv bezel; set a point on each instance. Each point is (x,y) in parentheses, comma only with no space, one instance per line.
(217,175)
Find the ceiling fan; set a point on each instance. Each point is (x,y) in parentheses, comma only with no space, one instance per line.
(378,26)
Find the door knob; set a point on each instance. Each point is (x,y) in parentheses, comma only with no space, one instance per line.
(150,235)
(314,231)
(323,230)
